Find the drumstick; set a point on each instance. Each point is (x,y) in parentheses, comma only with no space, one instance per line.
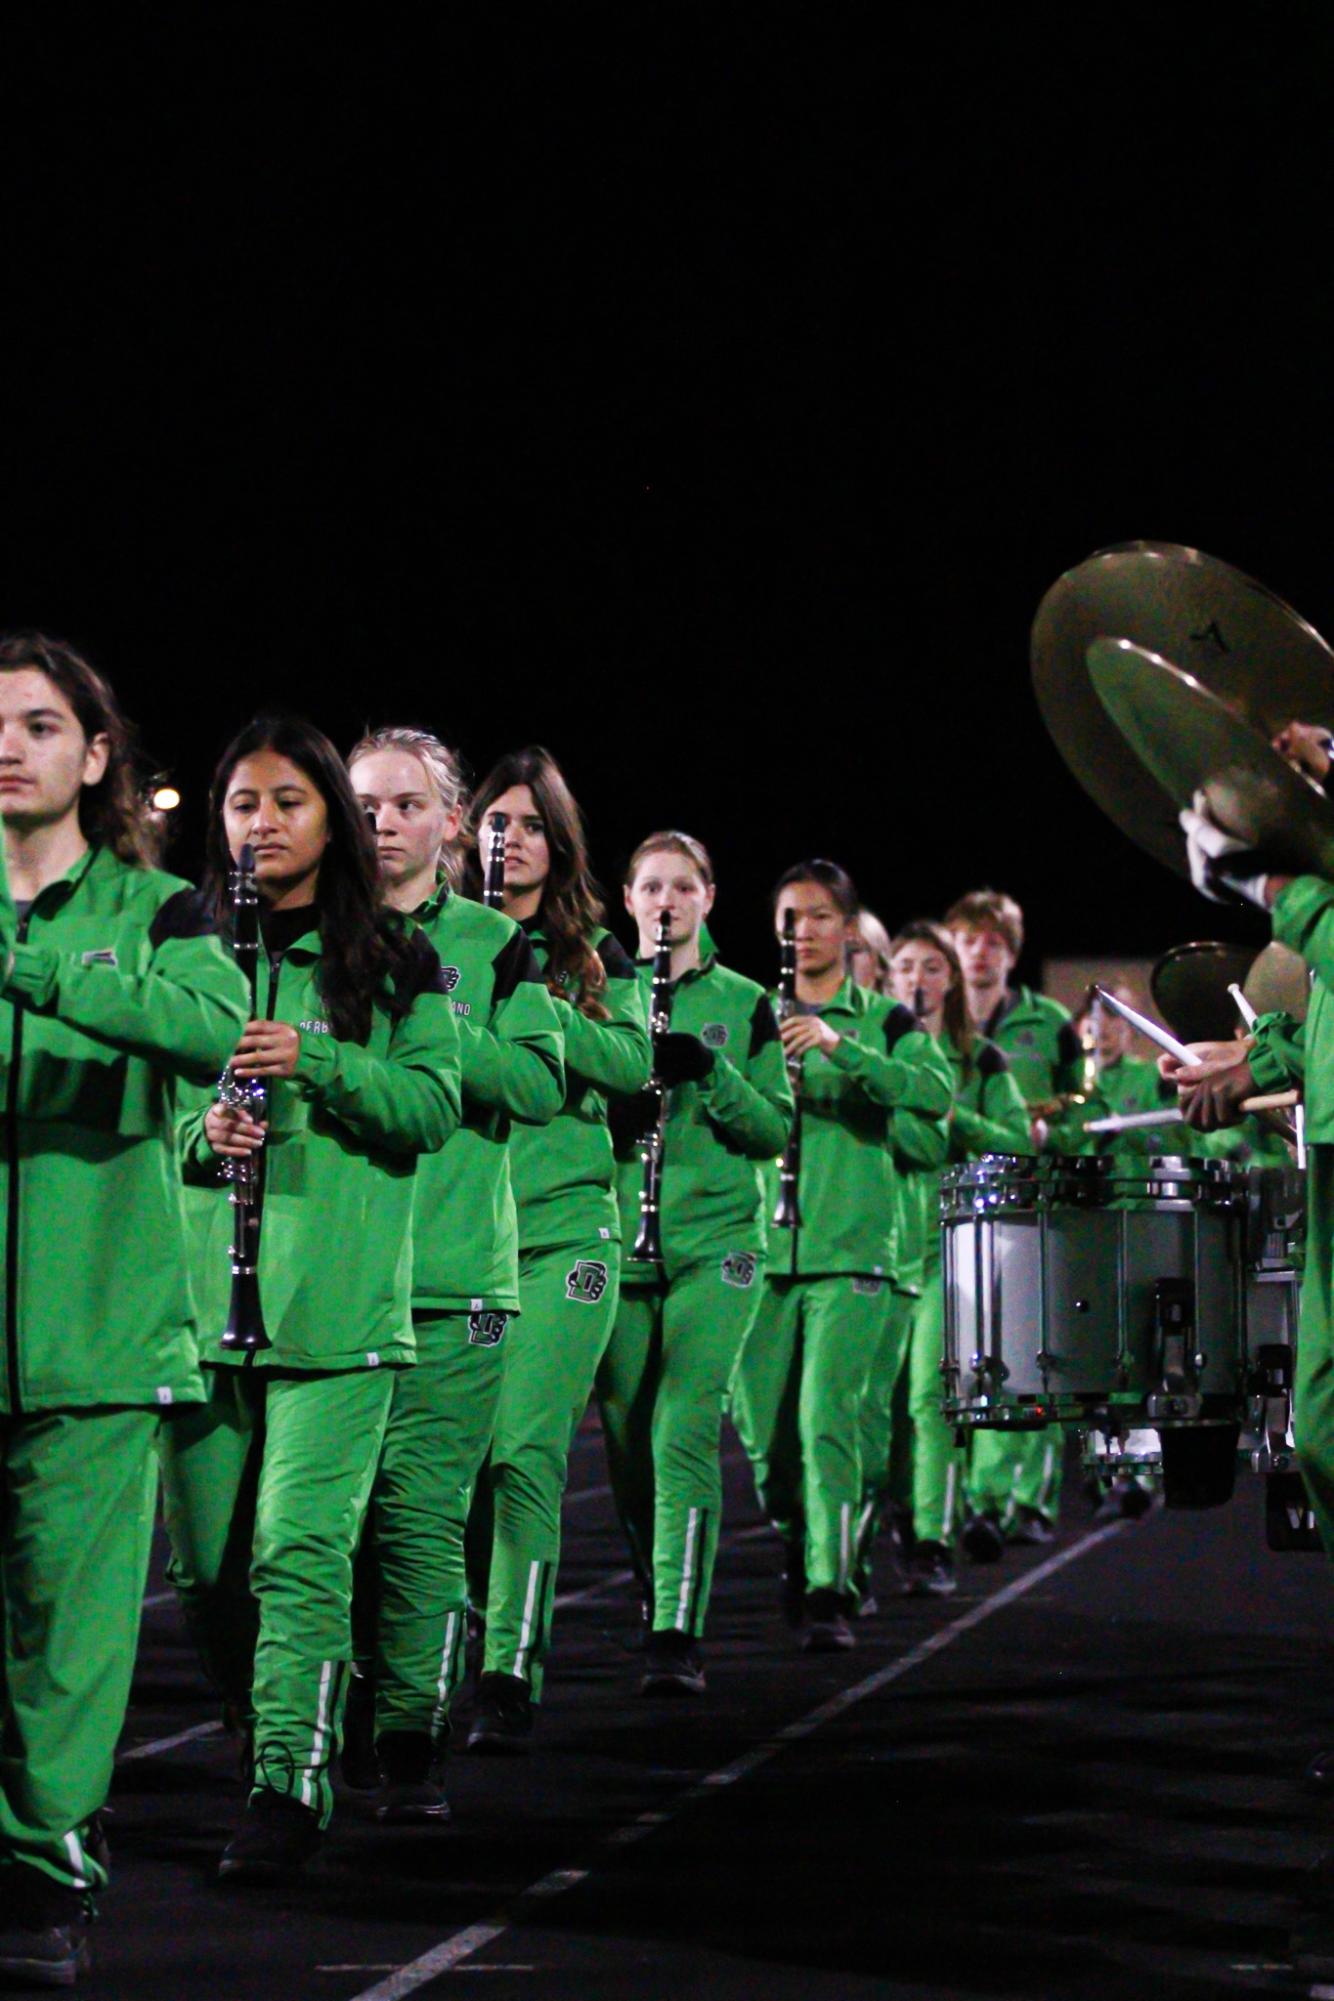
(1244,1008)
(1124,1122)
(1272,1101)
(1147,1027)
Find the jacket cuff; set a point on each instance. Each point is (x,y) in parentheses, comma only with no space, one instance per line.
(847,1054)
(33,976)
(1268,1066)
(317,1058)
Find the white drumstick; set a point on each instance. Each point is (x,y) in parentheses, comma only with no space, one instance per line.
(1147,1027)
(1244,1008)
(1124,1122)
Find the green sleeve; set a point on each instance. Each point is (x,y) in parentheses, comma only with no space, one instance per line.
(1278,1059)
(517,1065)
(1304,919)
(199,1164)
(184,1010)
(614,1055)
(406,1102)
(918,1142)
(752,1106)
(1000,1124)
(915,1078)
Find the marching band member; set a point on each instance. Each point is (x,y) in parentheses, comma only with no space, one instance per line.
(871,1084)
(569,1228)
(1014,1480)
(114,989)
(680,1325)
(988,1115)
(868,953)
(411,1610)
(266,1485)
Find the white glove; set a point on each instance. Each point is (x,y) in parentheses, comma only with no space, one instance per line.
(1221,867)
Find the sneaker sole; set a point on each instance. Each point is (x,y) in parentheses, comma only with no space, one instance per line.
(46,1972)
(413,1816)
(498,1744)
(671,1682)
(919,1588)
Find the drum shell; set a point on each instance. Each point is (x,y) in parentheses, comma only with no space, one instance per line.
(1050,1286)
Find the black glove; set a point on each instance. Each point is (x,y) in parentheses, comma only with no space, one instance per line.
(629,1120)
(682,1059)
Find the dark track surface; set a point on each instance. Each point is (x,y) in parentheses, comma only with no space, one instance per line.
(1093,1789)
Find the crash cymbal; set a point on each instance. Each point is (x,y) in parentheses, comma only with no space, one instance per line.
(1278,983)
(1190,985)
(1221,627)
(1190,740)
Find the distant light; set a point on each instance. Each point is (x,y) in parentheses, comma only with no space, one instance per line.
(164,799)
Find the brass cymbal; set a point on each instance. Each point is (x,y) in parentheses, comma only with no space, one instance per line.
(1278,982)
(1224,629)
(1190,985)
(1189,739)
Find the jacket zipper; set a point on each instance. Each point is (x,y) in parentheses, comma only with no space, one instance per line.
(12,1198)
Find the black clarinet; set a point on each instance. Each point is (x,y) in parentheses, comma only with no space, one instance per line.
(493,885)
(647,1249)
(787,1216)
(245,1317)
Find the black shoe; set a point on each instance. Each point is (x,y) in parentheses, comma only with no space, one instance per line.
(357,1760)
(827,1628)
(43,1930)
(1125,1501)
(239,1724)
(931,1573)
(794,1582)
(898,1520)
(410,1790)
(503,1719)
(982,1538)
(1030,1529)
(276,1837)
(868,1605)
(672,1665)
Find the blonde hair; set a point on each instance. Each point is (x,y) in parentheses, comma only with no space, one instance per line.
(989,910)
(671,842)
(444,774)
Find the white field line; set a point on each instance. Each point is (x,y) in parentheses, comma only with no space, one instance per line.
(445,1957)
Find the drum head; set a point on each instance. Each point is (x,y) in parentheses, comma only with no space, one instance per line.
(1190,985)
(1278,983)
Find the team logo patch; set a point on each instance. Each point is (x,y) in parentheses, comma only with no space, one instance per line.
(586,1282)
(1026,1039)
(315,1027)
(714,1034)
(867,1287)
(106,957)
(449,978)
(739,1268)
(486,1329)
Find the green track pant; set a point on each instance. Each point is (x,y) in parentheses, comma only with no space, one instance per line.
(411,1609)
(265,1490)
(1009,1470)
(78,1495)
(797,1405)
(883,1410)
(938,1462)
(567,1305)
(1313,1391)
(662,1388)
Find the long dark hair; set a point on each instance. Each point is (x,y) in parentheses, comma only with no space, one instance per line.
(960,1030)
(572,906)
(364,949)
(113,813)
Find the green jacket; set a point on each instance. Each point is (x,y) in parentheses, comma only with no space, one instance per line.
(1131,1084)
(340,1169)
(718,1130)
(989,1116)
(565,1173)
(882,1095)
(467,1232)
(1039,1039)
(1286,1053)
(120,991)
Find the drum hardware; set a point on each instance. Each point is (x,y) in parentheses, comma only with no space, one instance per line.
(1179,1400)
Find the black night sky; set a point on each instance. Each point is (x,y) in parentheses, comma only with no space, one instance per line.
(710,392)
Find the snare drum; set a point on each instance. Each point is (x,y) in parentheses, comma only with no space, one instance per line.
(1075,1287)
